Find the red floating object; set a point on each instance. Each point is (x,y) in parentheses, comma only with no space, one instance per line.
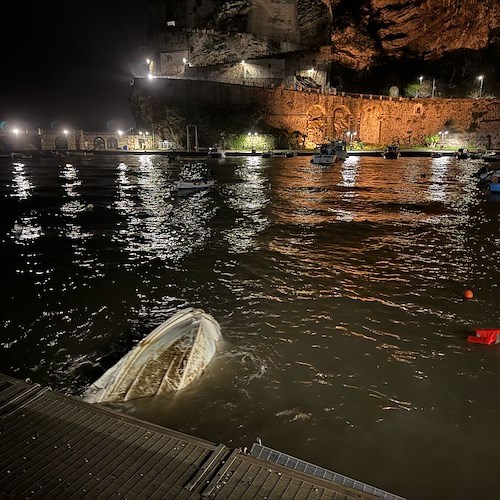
(485,336)
(468,294)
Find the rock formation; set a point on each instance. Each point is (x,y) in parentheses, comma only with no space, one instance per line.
(360,33)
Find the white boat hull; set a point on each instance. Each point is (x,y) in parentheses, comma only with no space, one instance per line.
(193,184)
(324,159)
(167,360)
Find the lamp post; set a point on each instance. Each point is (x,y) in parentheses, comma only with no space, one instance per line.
(142,140)
(443,134)
(480,78)
(420,80)
(243,65)
(120,133)
(16,132)
(433,87)
(252,138)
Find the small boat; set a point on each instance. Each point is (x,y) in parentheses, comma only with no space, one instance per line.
(488,179)
(392,152)
(194,184)
(327,155)
(194,176)
(341,150)
(491,157)
(167,360)
(215,152)
(462,154)
(20,156)
(267,154)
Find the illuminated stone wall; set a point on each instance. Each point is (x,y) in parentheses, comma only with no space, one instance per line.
(376,120)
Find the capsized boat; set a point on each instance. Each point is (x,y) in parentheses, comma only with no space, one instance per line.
(167,360)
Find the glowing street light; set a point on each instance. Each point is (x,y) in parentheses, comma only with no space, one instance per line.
(443,134)
(252,138)
(149,64)
(351,134)
(420,79)
(480,78)
(119,132)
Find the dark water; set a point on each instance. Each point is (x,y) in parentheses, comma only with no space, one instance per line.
(338,290)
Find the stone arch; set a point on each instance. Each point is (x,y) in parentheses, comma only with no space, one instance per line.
(316,124)
(99,143)
(342,116)
(61,142)
(112,143)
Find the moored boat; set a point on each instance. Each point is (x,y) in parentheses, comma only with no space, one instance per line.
(391,152)
(492,157)
(167,360)
(326,156)
(215,152)
(194,176)
(341,150)
(462,154)
(195,184)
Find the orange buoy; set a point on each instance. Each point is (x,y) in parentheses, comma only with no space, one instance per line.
(468,294)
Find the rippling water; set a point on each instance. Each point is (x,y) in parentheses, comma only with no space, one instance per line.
(338,290)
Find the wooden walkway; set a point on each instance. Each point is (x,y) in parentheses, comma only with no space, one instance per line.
(59,447)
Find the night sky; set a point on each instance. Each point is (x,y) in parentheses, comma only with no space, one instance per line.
(69,65)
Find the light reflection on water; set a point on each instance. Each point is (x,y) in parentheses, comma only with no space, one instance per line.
(339,293)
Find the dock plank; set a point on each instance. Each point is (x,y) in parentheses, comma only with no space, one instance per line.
(60,447)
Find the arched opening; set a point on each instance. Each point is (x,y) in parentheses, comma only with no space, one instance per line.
(112,143)
(99,143)
(316,124)
(61,143)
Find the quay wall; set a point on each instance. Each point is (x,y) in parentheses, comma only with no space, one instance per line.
(326,114)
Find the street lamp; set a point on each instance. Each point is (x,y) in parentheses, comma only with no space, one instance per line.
(16,132)
(443,134)
(351,135)
(480,78)
(252,138)
(142,140)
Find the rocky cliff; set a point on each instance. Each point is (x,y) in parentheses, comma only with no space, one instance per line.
(359,35)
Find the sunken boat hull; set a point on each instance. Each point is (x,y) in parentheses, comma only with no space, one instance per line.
(167,360)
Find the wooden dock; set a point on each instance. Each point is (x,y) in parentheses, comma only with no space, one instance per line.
(59,447)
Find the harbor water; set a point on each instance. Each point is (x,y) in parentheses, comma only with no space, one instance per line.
(339,291)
